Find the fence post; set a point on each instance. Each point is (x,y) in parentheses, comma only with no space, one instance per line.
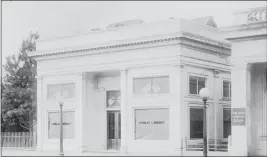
(34,138)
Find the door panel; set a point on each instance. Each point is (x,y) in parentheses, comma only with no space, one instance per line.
(113,130)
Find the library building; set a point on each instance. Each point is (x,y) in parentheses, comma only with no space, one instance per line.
(133,87)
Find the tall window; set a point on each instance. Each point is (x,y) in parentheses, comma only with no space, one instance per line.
(151,85)
(226,89)
(196,84)
(226,122)
(67,90)
(152,124)
(196,123)
(54,125)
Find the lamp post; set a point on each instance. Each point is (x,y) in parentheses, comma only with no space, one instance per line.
(204,93)
(60,100)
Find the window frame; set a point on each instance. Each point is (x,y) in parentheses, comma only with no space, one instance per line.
(197,106)
(61,85)
(151,76)
(198,76)
(149,108)
(230,89)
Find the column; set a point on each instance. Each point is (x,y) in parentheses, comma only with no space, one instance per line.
(123,86)
(217,91)
(81,100)
(264,105)
(240,76)
(40,119)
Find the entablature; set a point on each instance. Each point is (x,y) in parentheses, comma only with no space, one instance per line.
(180,38)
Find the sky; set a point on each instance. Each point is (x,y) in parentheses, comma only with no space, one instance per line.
(64,18)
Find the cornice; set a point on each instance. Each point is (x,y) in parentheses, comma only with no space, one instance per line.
(206,48)
(184,35)
(248,38)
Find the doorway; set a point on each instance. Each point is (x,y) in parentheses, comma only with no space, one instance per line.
(113,130)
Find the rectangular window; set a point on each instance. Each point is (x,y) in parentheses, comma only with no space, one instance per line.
(226,89)
(151,85)
(113,98)
(67,90)
(226,122)
(152,124)
(196,84)
(196,123)
(54,125)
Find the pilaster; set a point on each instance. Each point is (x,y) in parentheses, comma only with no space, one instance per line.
(40,118)
(124,127)
(175,109)
(183,107)
(241,83)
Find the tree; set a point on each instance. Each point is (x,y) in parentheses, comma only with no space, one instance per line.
(19,88)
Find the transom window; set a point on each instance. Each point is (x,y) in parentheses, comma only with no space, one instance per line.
(151,85)
(226,89)
(67,90)
(196,84)
(196,122)
(113,99)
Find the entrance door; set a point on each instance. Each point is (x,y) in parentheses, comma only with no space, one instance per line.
(113,130)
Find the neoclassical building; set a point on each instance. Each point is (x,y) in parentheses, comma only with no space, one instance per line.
(133,87)
(248,37)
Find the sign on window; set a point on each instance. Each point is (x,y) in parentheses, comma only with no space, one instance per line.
(238,116)
(152,124)
(54,125)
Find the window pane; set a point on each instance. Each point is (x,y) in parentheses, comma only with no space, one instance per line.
(52,90)
(142,85)
(152,124)
(113,98)
(160,85)
(54,125)
(226,86)
(193,85)
(226,122)
(196,123)
(111,125)
(119,128)
(201,83)
(68,90)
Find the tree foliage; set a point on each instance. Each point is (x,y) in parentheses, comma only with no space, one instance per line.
(19,88)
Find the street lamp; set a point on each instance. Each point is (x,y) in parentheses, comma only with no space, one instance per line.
(204,93)
(60,101)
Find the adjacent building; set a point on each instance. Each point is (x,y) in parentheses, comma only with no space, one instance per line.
(248,37)
(133,87)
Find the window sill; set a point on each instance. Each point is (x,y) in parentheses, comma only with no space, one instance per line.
(225,99)
(151,95)
(196,96)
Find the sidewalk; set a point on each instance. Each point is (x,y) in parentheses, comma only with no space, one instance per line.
(21,152)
